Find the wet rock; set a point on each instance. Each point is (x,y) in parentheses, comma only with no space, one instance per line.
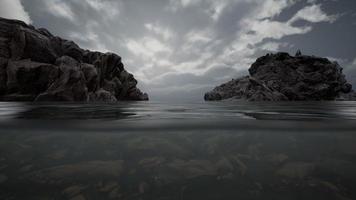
(281,77)
(102,96)
(135,93)
(37,66)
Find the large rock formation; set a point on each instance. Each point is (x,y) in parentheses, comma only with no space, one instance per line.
(37,66)
(281,77)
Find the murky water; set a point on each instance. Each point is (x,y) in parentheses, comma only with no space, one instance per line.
(153,150)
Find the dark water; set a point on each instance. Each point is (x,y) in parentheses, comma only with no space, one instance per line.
(160,151)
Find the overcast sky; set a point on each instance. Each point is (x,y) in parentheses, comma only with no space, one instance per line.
(179,49)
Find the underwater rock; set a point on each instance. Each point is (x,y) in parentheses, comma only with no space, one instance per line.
(37,66)
(78,197)
(78,172)
(193,168)
(281,77)
(73,190)
(3,178)
(296,170)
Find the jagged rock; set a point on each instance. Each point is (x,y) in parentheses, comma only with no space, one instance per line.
(25,77)
(4,50)
(245,88)
(71,49)
(134,93)
(67,61)
(91,77)
(70,86)
(38,66)
(102,96)
(281,77)
(3,75)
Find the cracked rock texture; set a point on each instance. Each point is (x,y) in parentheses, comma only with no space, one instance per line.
(281,77)
(38,66)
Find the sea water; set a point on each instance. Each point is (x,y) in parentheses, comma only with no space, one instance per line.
(180,151)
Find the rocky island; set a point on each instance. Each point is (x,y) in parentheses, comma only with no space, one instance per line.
(38,66)
(282,77)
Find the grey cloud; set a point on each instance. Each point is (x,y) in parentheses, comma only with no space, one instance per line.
(13,9)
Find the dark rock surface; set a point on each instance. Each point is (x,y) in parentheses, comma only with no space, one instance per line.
(281,77)
(37,66)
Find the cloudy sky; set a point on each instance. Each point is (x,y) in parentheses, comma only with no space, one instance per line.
(179,49)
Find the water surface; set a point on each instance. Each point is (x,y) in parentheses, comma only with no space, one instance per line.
(155,150)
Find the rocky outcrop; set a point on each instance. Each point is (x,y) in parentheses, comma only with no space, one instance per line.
(38,66)
(281,77)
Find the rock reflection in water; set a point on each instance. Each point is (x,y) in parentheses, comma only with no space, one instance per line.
(74,112)
(237,164)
